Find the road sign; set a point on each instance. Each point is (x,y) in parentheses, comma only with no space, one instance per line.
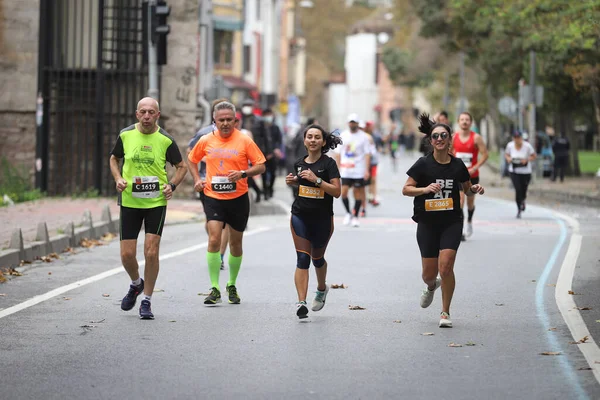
(507,107)
(525,95)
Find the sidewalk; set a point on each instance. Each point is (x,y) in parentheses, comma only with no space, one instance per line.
(58,212)
(583,191)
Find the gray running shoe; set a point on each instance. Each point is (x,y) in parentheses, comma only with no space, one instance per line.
(319,301)
(427,295)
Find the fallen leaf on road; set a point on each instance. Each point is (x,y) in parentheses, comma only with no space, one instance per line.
(23,262)
(551,353)
(584,368)
(598,321)
(573,293)
(499,304)
(90,243)
(203,294)
(54,255)
(455,345)
(583,308)
(46,259)
(533,280)
(49,273)
(552,329)
(97,322)
(106,295)
(470,344)
(2,277)
(2,294)
(552,284)
(87,326)
(580,341)
(172,320)
(69,250)
(66,298)
(427,334)
(340,286)
(596,362)
(158,290)
(356,308)
(14,272)
(397,321)
(107,237)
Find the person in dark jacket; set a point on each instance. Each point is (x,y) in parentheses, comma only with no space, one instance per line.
(275,138)
(560,148)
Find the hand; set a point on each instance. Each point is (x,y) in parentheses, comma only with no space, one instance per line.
(367,176)
(291,179)
(509,160)
(121,185)
(199,185)
(471,171)
(524,162)
(477,189)
(308,175)
(234,176)
(278,153)
(167,191)
(432,188)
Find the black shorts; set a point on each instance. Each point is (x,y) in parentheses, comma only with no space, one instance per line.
(317,231)
(475,180)
(357,183)
(131,220)
(432,237)
(234,212)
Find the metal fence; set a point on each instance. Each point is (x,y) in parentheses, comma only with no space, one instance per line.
(91,74)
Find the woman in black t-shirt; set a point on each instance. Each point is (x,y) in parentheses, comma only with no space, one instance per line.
(435,181)
(316,181)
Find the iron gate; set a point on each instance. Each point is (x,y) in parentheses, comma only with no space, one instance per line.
(91,74)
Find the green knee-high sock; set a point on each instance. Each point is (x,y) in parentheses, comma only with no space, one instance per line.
(235,263)
(214,267)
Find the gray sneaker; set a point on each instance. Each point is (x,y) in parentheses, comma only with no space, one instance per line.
(319,301)
(427,295)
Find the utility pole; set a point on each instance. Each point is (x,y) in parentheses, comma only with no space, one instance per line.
(461,106)
(446,99)
(532,106)
(204,72)
(152,59)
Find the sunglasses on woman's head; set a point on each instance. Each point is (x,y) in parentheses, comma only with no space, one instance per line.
(436,136)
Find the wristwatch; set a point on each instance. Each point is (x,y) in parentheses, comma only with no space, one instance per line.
(244,174)
(173,186)
(319,181)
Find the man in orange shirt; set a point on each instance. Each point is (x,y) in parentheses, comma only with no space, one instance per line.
(227,153)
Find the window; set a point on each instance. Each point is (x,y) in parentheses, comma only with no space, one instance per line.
(247,58)
(223,48)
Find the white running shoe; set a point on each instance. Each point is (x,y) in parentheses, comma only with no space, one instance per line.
(355,222)
(347,219)
(445,321)
(469,231)
(319,301)
(427,295)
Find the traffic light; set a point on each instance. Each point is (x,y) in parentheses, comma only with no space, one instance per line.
(159,29)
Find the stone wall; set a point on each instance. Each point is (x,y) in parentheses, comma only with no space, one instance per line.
(19,22)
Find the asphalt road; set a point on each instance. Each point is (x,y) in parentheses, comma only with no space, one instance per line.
(79,344)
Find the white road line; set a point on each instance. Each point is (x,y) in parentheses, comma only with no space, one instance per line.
(565,301)
(63,289)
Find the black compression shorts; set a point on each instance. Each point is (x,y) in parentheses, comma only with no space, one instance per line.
(132,218)
(433,238)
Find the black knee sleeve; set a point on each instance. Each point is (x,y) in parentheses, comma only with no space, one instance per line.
(318,263)
(303,260)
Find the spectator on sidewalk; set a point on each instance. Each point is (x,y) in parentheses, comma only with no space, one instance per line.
(560,147)
(276,138)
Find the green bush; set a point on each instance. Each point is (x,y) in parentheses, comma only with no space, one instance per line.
(15,183)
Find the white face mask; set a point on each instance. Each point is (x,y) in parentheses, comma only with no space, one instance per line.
(247,110)
(269,119)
